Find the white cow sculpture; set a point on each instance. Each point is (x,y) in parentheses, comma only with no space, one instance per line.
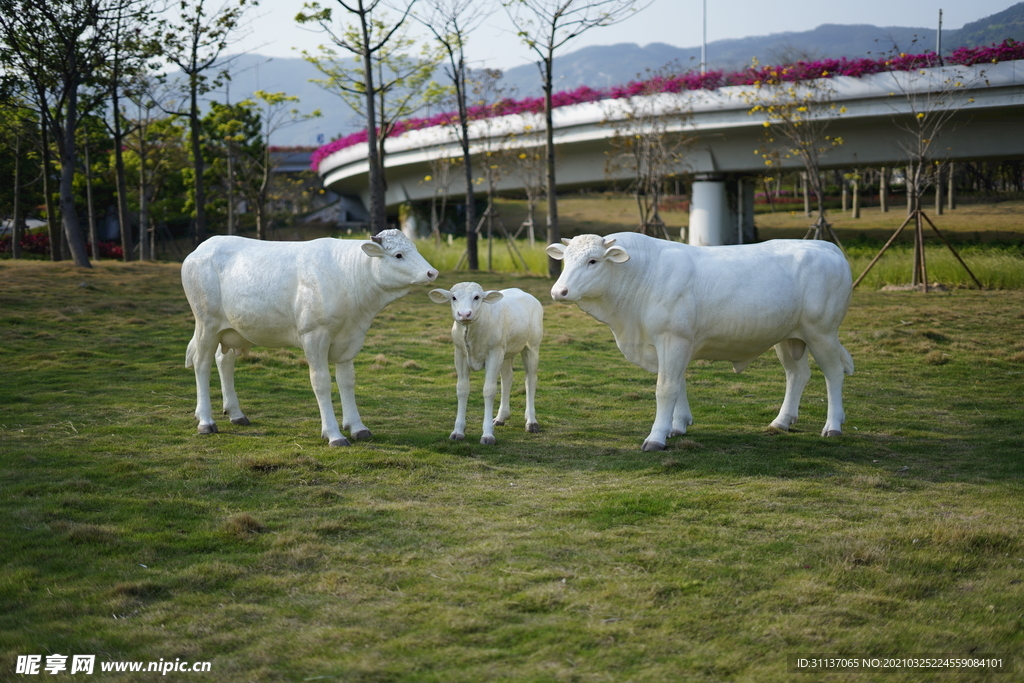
(319,295)
(490,328)
(669,303)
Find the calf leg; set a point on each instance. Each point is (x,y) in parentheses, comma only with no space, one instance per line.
(530,362)
(505,410)
(226,370)
(798,372)
(315,348)
(673,357)
(346,374)
(462,393)
(491,369)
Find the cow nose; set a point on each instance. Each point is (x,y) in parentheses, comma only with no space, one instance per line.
(559,293)
(431,274)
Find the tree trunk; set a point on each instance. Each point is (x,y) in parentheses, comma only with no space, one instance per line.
(471,236)
(883,190)
(198,164)
(72,229)
(53,232)
(144,253)
(554,236)
(16,230)
(378,211)
(91,220)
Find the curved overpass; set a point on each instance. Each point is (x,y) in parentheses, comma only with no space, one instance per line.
(988,124)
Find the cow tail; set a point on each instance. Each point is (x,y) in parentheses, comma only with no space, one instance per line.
(847,360)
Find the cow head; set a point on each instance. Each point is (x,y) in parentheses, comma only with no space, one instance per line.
(466,299)
(586,260)
(401,265)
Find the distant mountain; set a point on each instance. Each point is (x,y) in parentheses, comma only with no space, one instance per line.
(601,66)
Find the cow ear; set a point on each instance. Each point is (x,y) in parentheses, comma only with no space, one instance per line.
(493,296)
(556,251)
(616,254)
(373,249)
(439,296)
(566,240)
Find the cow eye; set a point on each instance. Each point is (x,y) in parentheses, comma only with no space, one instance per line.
(399,255)
(592,261)
(454,299)
(476,298)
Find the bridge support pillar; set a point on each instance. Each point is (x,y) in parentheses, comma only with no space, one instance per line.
(721,210)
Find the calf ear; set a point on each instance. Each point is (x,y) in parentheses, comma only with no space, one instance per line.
(439,296)
(556,251)
(493,296)
(616,254)
(373,249)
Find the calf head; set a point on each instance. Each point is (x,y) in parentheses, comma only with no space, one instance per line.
(466,299)
(401,265)
(586,263)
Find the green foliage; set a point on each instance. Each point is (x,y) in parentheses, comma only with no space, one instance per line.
(554,556)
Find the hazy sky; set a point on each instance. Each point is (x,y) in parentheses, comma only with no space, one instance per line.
(676,22)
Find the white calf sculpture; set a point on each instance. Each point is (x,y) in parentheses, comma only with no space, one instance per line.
(669,303)
(319,295)
(490,328)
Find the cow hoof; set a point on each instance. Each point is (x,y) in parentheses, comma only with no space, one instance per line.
(653,446)
(362,435)
(487,441)
(455,436)
(833,432)
(339,442)
(498,423)
(676,432)
(208,429)
(780,426)
(241,421)
(533,427)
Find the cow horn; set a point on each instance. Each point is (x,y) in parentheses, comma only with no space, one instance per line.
(566,241)
(609,242)
(377,238)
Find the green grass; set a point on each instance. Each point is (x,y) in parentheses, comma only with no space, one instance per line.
(560,556)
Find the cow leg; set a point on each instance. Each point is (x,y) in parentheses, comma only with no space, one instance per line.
(835,362)
(226,370)
(200,356)
(530,362)
(673,357)
(798,372)
(462,393)
(505,410)
(491,368)
(315,347)
(681,416)
(346,374)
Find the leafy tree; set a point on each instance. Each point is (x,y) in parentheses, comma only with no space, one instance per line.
(383,68)
(20,134)
(195,44)
(130,49)
(451,22)
(649,144)
(545,26)
(796,117)
(58,47)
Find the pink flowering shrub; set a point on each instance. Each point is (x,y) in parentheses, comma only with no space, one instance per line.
(822,68)
(39,243)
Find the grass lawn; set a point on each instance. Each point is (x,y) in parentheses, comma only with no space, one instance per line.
(567,555)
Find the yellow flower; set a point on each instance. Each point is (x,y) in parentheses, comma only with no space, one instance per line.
(766,124)
(428,178)
(920,115)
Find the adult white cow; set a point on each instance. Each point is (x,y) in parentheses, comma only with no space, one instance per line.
(669,303)
(490,329)
(319,295)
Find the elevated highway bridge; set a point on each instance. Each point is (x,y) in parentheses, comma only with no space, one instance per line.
(987,123)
